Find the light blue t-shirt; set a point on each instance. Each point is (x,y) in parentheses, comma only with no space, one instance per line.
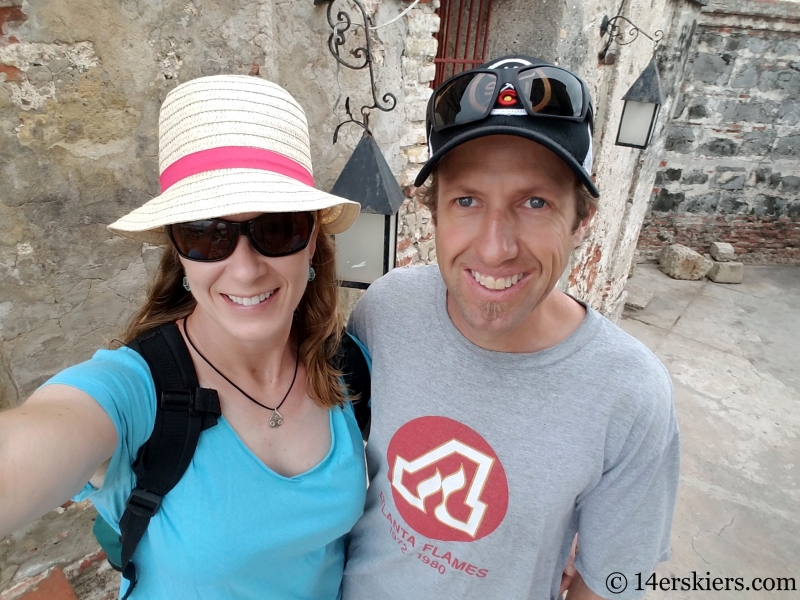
(232,527)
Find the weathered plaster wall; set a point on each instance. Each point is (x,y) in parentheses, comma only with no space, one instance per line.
(80,86)
(526,27)
(732,168)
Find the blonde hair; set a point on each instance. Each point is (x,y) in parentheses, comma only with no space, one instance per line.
(318,322)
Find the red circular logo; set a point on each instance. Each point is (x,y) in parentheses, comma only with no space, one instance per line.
(447,482)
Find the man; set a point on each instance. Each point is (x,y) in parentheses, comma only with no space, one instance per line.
(508,416)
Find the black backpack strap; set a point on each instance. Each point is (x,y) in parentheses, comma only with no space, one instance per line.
(355,371)
(184,410)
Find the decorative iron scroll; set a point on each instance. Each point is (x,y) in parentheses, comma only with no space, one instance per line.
(361,58)
(617,33)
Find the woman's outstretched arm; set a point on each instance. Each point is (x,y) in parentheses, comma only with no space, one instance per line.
(50,446)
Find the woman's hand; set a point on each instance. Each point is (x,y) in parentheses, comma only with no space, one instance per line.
(569,570)
(50,446)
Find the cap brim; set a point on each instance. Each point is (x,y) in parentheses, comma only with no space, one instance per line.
(228,192)
(505,129)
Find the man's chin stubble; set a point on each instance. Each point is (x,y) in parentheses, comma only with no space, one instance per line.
(491,311)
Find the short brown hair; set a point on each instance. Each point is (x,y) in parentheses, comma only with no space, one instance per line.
(585,203)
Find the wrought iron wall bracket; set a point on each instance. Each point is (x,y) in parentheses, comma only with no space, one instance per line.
(362,56)
(618,32)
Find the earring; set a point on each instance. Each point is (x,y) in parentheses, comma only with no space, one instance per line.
(186,284)
(311,273)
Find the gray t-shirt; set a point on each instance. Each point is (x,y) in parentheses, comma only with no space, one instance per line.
(483,465)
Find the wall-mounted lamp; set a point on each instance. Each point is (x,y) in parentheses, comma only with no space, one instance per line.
(367,250)
(641,109)
(643,100)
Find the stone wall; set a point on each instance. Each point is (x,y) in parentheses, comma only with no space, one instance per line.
(80,86)
(415,244)
(731,171)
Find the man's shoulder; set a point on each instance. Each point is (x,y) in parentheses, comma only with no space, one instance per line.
(627,371)
(618,347)
(412,282)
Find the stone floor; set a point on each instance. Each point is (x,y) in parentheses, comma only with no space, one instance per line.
(57,558)
(734,355)
(733,352)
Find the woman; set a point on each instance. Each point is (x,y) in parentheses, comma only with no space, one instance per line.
(248,276)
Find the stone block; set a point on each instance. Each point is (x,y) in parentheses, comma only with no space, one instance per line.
(638,297)
(679,139)
(413,137)
(698,111)
(427,73)
(767,206)
(665,201)
(761,175)
(758,143)
(720,147)
(789,112)
(722,252)
(417,154)
(788,81)
(711,39)
(726,272)
(790,183)
(423,47)
(786,48)
(757,45)
(667,175)
(735,42)
(702,203)
(680,262)
(746,79)
(420,22)
(713,68)
(788,146)
(736,183)
(732,203)
(695,177)
(749,112)
(415,111)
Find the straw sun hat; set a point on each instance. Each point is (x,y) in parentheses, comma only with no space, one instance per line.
(231,144)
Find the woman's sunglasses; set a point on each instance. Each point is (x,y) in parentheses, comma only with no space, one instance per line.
(271,234)
(543,91)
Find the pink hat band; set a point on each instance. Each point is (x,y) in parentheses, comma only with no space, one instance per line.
(233,157)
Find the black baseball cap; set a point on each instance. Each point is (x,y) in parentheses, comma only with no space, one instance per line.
(568,134)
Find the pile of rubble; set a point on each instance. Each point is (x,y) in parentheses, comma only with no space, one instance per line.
(680,262)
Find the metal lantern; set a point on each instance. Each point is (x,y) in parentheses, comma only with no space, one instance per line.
(641,109)
(367,250)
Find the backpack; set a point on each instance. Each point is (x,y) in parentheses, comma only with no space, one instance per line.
(184,410)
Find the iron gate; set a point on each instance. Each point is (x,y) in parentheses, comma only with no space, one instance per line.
(463,36)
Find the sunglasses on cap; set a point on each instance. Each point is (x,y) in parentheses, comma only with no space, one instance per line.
(542,91)
(271,234)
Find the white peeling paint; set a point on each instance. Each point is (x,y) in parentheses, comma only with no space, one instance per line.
(81,57)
